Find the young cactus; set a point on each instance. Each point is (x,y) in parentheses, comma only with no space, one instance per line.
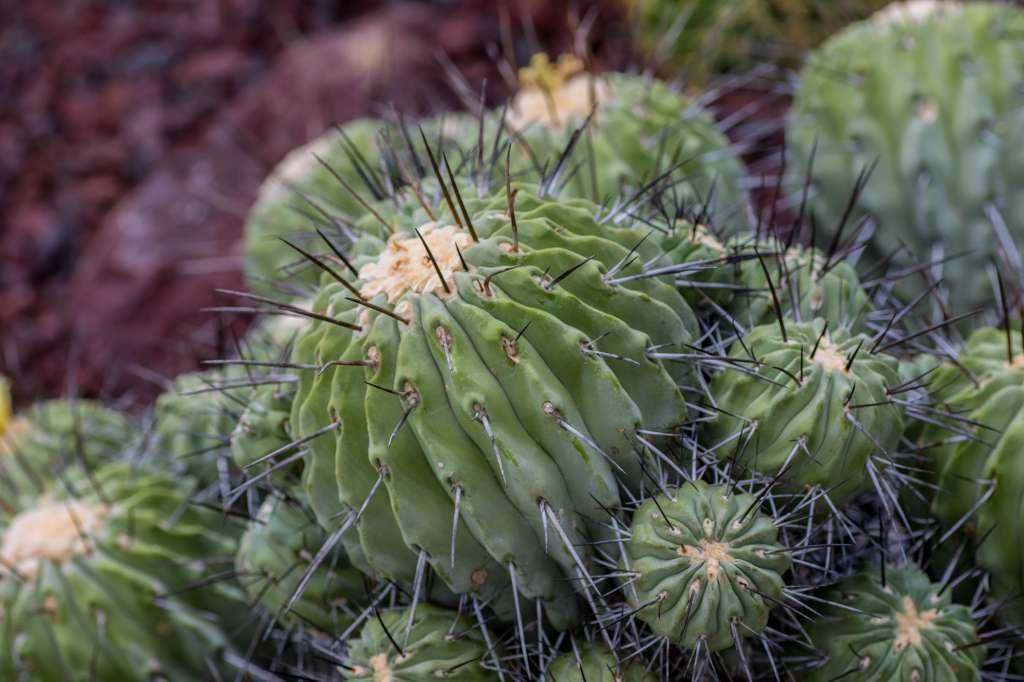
(429,643)
(88,578)
(595,662)
(263,430)
(925,94)
(807,406)
(492,378)
(894,625)
(704,566)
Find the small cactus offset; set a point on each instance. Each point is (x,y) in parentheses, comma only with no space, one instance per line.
(593,662)
(704,566)
(428,643)
(894,624)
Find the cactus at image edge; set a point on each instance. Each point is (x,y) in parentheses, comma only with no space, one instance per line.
(932,90)
(705,566)
(595,662)
(897,627)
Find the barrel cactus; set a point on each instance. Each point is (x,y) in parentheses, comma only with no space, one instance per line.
(594,662)
(895,625)
(640,129)
(57,434)
(495,386)
(705,566)
(274,555)
(89,576)
(263,430)
(434,644)
(806,404)
(931,91)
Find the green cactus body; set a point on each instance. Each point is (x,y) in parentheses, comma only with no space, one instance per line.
(263,429)
(640,129)
(88,579)
(272,338)
(491,392)
(712,36)
(977,457)
(705,566)
(796,402)
(906,629)
(932,91)
(275,553)
(55,435)
(436,644)
(595,662)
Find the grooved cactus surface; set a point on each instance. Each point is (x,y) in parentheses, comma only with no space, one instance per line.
(436,644)
(810,408)
(594,662)
(512,390)
(905,628)
(934,92)
(87,580)
(705,566)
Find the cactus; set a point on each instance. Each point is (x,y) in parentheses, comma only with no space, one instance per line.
(495,387)
(434,644)
(808,405)
(53,435)
(705,566)
(640,129)
(88,579)
(894,624)
(275,553)
(262,430)
(931,91)
(594,662)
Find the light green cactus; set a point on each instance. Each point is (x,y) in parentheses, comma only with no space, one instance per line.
(435,644)
(705,566)
(809,408)
(262,430)
(89,577)
(504,380)
(595,662)
(900,627)
(930,90)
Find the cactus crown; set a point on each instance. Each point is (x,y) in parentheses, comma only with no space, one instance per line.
(552,94)
(52,531)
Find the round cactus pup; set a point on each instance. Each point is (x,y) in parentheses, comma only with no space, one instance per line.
(435,644)
(705,566)
(808,406)
(263,430)
(275,553)
(89,577)
(900,627)
(595,662)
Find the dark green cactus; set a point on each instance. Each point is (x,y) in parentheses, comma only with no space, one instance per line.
(810,408)
(900,627)
(705,566)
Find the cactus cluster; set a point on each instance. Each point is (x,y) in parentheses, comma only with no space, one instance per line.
(537,394)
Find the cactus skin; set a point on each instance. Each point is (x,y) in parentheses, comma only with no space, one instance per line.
(596,663)
(460,360)
(263,428)
(55,435)
(714,562)
(90,610)
(991,399)
(441,644)
(274,554)
(815,411)
(906,629)
(934,95)
(640,129)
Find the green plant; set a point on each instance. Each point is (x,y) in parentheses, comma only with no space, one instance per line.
(262,430)
(495,385)
(927,95)
(594,662)
(704,566)
(427,644)
(89,577)
(894,624)
(807,405)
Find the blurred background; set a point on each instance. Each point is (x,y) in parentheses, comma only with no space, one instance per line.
(134,135)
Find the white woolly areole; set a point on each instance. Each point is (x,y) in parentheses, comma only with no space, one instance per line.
(554,108)
(829,356)
(52,531)
(914,11)
(404,266)
(910,623)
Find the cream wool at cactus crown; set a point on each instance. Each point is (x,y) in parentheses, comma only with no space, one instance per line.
(537,392)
